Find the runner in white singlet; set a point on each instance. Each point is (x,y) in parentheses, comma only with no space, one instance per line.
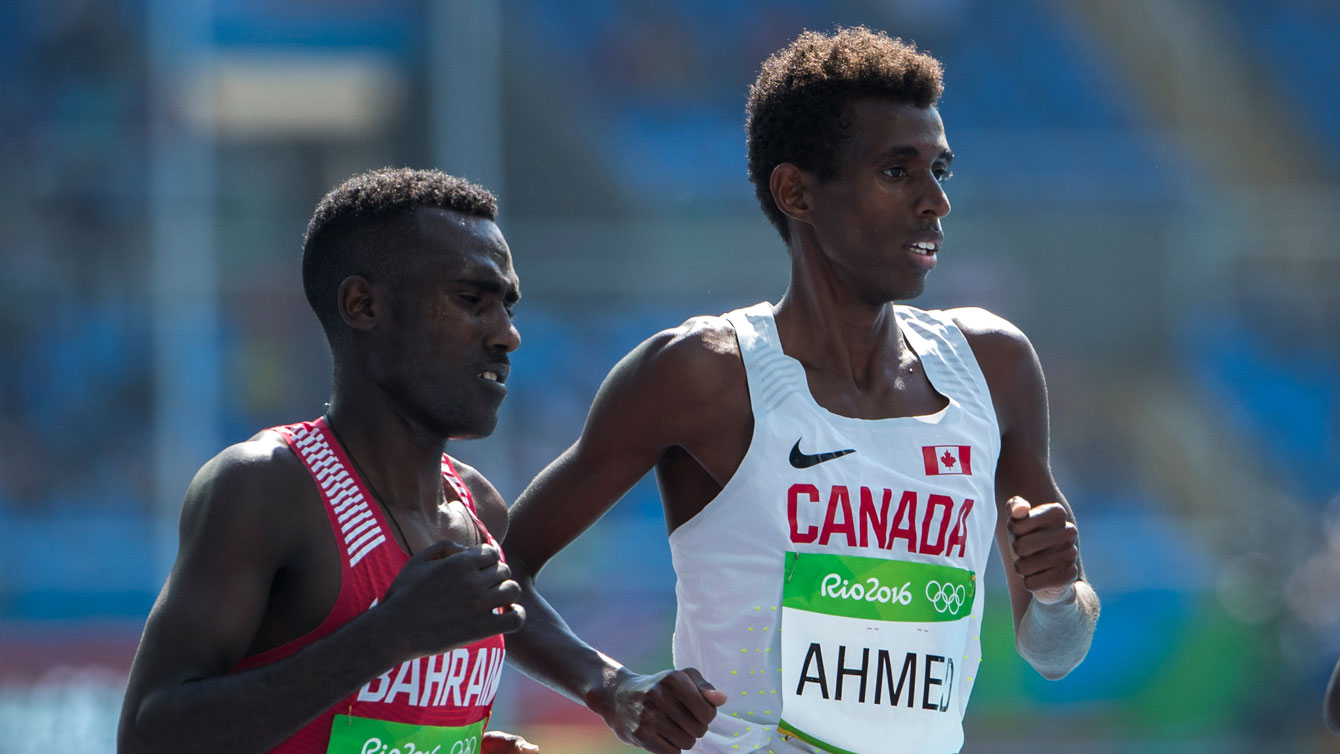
(833,467)
(872,611)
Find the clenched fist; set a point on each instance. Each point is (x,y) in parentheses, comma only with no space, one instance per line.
(1046,549)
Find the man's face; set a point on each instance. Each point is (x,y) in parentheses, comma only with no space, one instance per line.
(451,325)
(878,220)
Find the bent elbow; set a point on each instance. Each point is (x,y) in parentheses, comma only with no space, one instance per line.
(126,740)
(1331,717)
(1055,674)
(1053,665)
(140,730)
(1051,668)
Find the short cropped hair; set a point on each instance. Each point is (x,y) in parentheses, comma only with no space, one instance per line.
(799,106)
(362,228)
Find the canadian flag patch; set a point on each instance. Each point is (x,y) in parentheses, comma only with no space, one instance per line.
(942,460)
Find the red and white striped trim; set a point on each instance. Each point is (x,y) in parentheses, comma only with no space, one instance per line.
(358,523)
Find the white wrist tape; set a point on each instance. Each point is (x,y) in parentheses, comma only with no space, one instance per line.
(1052,597)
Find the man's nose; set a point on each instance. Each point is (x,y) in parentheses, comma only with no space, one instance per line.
(934,201)
(505,335)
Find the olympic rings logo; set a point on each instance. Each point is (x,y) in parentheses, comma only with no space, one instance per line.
(946,597)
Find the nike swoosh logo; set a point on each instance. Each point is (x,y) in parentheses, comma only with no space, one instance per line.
(806,460)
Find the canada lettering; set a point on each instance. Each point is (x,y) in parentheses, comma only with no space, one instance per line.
(889,679)
(878,523)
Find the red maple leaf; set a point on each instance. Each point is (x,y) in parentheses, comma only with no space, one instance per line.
(948,460)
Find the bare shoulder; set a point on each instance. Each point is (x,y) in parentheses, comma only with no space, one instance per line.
(1008,361)
(698,342)
(264,459)
(489,503)
(699,356)
(251,484)
(682,387)
(1001,348)
(990,332)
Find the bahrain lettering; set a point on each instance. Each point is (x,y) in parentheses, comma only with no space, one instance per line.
(452,679)
(880,526)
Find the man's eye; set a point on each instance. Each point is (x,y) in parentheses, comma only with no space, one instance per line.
(469,301)
(944,175)
(895,172)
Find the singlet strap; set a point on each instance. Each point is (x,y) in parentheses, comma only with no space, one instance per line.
(771,373)
(354,516)
(452,478)
(948,360)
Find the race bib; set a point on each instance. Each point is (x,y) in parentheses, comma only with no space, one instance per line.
(361,735)
(870,647)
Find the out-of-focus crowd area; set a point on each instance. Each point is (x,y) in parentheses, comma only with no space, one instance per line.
(1150,190)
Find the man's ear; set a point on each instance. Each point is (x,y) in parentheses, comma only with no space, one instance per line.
(790,187)
(359,303)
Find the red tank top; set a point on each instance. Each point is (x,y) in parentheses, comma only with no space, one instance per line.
(427,702)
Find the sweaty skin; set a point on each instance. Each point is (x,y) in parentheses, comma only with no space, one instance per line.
(679,404)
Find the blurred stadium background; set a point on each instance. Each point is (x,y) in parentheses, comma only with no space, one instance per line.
(1151,189)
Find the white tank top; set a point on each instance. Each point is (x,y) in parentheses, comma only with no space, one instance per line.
(831,588)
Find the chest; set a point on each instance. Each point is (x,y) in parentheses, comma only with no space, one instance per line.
(918,487)
(901,392)
(306,588)
(415,530)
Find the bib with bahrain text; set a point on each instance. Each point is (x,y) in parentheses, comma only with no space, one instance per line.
(360,735)
(871,645)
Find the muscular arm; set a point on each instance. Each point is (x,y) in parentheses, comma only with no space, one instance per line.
(1055,610)
(655,399)
(241,528)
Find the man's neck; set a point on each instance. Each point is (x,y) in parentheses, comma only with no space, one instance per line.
(834,332)
(398,458)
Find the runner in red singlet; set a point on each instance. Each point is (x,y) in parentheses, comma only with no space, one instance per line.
(338,586)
